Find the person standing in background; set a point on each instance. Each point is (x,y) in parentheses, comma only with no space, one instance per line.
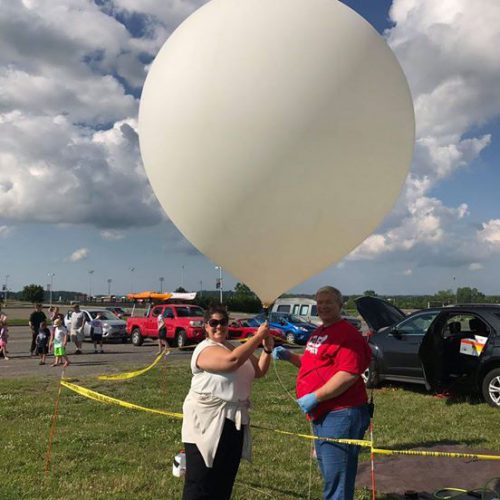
(42,342)
(36,319)
(4,336)
(77,323)
(162,333)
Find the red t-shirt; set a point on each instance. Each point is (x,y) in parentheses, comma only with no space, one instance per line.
(338,347)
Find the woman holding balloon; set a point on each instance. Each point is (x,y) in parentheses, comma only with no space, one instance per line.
(215,429)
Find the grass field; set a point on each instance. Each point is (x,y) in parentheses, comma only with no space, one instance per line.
(106,452)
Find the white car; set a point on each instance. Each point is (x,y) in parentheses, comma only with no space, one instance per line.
(113,327)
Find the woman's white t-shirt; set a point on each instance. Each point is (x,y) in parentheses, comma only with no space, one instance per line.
(233,386)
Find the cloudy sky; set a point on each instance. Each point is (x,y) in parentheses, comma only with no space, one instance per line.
(74,197)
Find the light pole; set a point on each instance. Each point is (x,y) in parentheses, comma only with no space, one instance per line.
(91,272)
(131,269)
(162,279)
(109,280)
(51,276)
(182,276)
(219,282)
(7,276)
(201,288)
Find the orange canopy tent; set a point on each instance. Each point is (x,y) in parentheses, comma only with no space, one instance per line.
(161,296)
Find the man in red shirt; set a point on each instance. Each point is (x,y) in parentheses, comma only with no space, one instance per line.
(332,393)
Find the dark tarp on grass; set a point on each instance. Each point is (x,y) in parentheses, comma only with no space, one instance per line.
(395,474)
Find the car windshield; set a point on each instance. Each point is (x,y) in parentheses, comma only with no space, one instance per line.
(291,318)
(189,312)
(296,319)
(104,315)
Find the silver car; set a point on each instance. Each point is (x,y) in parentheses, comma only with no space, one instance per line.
(113,327)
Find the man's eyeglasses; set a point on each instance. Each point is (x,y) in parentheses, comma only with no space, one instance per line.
(214,323)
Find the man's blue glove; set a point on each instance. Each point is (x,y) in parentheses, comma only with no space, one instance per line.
(308,402)
(281,353)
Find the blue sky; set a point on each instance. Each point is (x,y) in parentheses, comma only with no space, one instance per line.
(74,197)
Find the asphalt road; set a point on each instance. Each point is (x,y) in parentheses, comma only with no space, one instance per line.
(116,357)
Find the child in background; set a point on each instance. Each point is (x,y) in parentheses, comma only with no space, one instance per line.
(4,335)
(59,339)
(96,331)
(42,342)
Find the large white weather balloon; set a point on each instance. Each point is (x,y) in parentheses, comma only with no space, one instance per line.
(276,135)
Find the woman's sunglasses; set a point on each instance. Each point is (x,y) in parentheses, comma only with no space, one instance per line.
(214,323)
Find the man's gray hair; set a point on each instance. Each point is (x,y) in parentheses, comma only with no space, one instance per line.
(333,291)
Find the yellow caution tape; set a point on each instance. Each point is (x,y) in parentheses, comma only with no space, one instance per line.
(355,442)
(125,376)
(435,454)
(97,396)
(88,393)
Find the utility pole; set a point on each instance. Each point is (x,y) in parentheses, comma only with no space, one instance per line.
(7,276)
(51,276)
(219,283)
(91,272)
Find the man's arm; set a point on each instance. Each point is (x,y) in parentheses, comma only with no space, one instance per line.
(336,386)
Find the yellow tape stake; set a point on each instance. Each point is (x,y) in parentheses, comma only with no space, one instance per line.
(435,454)
(128,375)
(97,396)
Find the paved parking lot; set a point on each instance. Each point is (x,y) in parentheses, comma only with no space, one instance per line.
(116,357)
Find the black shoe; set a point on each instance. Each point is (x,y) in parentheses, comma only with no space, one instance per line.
(78,351)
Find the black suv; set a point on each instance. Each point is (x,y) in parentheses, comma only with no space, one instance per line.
(436,347)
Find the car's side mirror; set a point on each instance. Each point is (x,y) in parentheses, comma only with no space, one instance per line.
(396,333)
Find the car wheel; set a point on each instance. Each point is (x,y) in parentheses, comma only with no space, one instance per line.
(290,338)
(370,377)
(181,338)
(137,338)
(491,388)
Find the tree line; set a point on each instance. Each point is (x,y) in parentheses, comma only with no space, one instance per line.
(244,300)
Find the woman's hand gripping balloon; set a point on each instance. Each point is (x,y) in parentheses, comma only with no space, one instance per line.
(268,342)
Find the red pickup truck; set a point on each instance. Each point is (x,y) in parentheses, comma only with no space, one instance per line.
(184,324)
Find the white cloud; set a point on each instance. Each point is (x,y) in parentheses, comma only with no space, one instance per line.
(448,51)
(5,231)
(112,235)
(476,266)
(407,272)
(490,232)
(62,67)
(80,254)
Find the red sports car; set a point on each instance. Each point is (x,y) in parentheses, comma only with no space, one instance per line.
(246,327)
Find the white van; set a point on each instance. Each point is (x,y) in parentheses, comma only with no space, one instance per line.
(306,309)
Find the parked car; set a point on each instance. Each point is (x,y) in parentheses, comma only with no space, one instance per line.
(246,327)
(118,311)
(113,327)
(306,309)
(184,323)
(435,347)
(297,330)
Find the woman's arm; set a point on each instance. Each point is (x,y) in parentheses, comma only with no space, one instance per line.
(261,365)
(218,359)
